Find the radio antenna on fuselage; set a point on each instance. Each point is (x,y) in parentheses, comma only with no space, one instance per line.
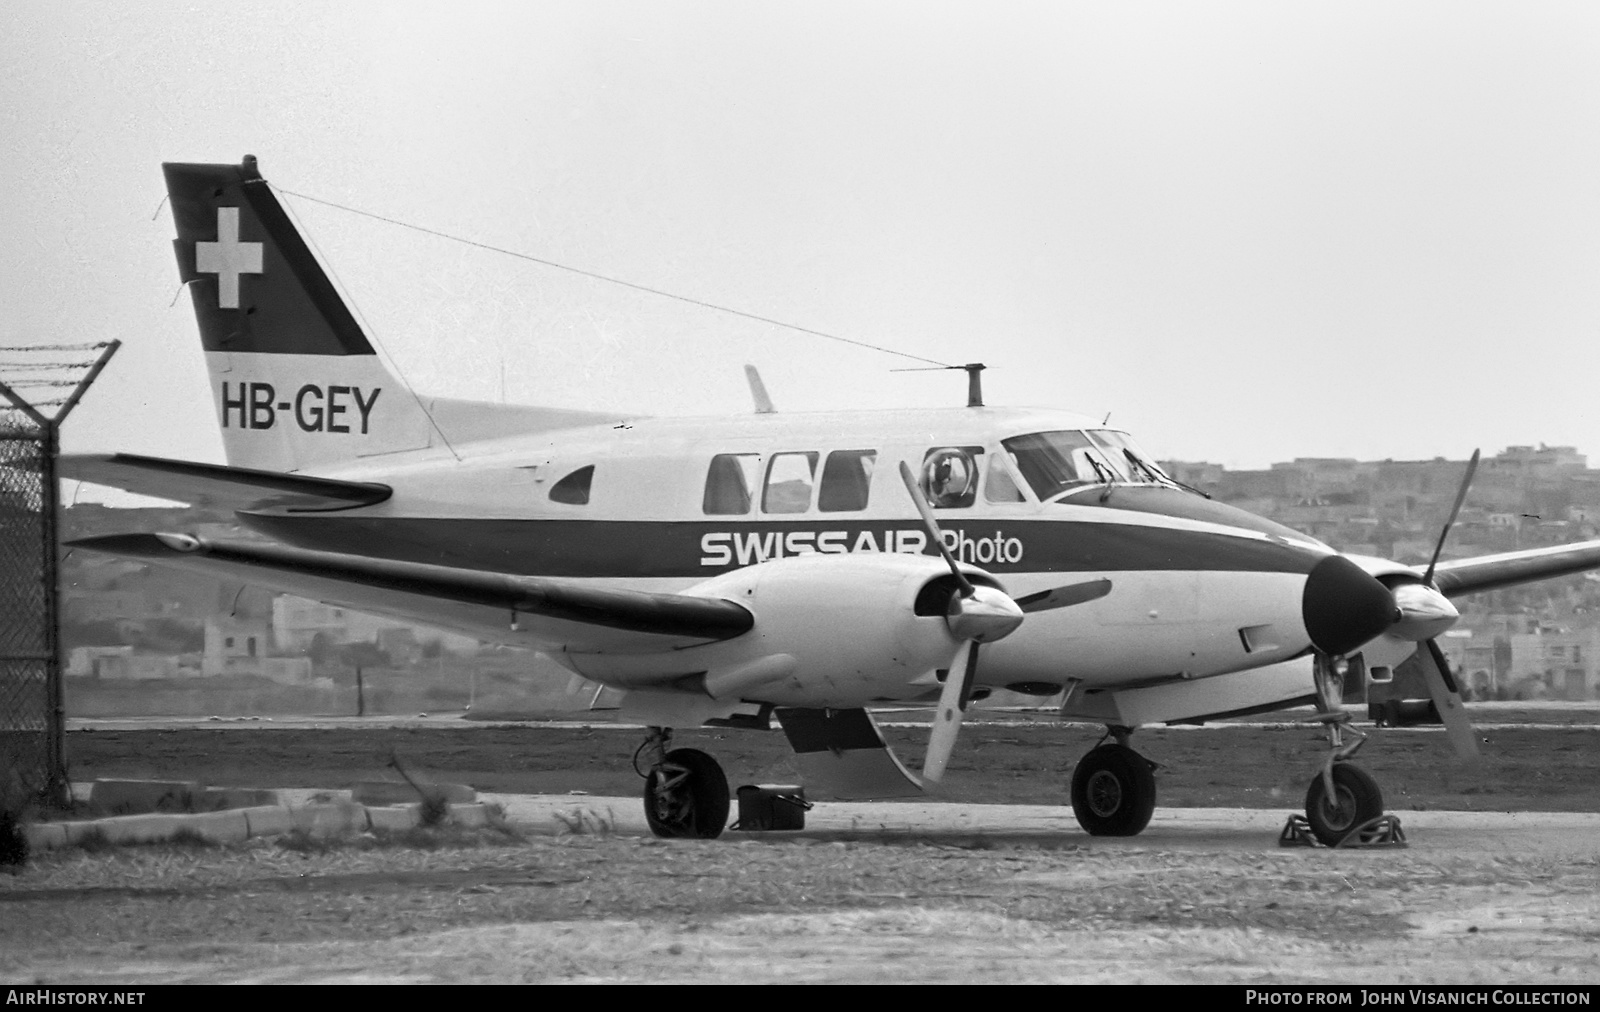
(974,371)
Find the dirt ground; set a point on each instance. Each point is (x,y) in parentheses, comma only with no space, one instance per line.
(604,908)
(636,910)
(1260,765)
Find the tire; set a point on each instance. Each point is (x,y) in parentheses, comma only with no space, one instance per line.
(1113,791)
(695,805)
(1357,801)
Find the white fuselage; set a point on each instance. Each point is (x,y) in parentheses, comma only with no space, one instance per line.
(1196,588)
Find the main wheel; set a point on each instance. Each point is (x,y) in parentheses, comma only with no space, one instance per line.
(686,796)
(1356,800)
(1113,791)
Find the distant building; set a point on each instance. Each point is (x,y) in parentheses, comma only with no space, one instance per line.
(296,623)
(233,645)
(1566,664)
(121,663)
(1473,659)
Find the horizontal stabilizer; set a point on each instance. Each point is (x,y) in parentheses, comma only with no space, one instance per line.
(393,587)
(1494,572)
(218,485)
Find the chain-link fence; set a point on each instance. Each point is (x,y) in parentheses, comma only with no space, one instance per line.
(39,386)
(29,665)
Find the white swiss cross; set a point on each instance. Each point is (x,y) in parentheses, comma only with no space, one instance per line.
(227,258)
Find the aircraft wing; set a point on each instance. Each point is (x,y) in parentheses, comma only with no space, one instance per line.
(218,485)
(526,611)
(1492,572)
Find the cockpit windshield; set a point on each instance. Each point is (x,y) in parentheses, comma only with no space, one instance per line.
(1055,463)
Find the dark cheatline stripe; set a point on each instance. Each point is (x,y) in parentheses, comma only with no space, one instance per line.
(643,549)
(1174,502)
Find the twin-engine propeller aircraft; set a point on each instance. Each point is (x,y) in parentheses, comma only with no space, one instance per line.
(803,567)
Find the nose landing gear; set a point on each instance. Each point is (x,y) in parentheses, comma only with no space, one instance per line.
(685,790)
(1343,798)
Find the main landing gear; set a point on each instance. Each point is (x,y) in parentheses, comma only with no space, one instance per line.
(685,790)
(1114,788)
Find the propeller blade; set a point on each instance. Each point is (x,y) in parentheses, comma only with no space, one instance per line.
(952,707)
(1442,687)
(1461,497)
(1064,597)
(933,528)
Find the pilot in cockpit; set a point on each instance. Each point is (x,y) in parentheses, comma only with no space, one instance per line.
(950,478)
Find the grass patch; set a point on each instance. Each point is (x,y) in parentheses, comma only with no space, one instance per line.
(94,841)
(186,837)
(580,822)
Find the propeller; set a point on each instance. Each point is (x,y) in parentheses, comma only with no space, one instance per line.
(1426,613)
(976,614)
(1422,605)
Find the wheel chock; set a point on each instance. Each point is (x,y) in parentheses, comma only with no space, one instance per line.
(1384,831)
(1297,833)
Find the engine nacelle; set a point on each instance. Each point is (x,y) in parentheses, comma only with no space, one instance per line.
(829,630)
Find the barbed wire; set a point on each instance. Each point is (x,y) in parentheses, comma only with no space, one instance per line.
(81,346)
(41,366)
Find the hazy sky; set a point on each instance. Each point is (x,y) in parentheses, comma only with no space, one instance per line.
(1250,231)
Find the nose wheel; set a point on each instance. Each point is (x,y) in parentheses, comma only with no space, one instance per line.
(685,791)
(1354,801)
(1113,791)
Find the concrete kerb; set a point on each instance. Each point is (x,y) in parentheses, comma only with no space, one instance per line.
(322,821)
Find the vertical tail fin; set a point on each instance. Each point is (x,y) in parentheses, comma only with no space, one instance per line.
(296,382)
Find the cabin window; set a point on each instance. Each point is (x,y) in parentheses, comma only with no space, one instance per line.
(728,483)
(998,485)
(789,479)
(846,480)
(950,476)
(574,488)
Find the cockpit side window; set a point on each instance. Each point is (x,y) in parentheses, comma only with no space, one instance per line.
(1053,462)
(950,476)
(789,480)
(729,482)
(846,480)
(574,488)
(998,484)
